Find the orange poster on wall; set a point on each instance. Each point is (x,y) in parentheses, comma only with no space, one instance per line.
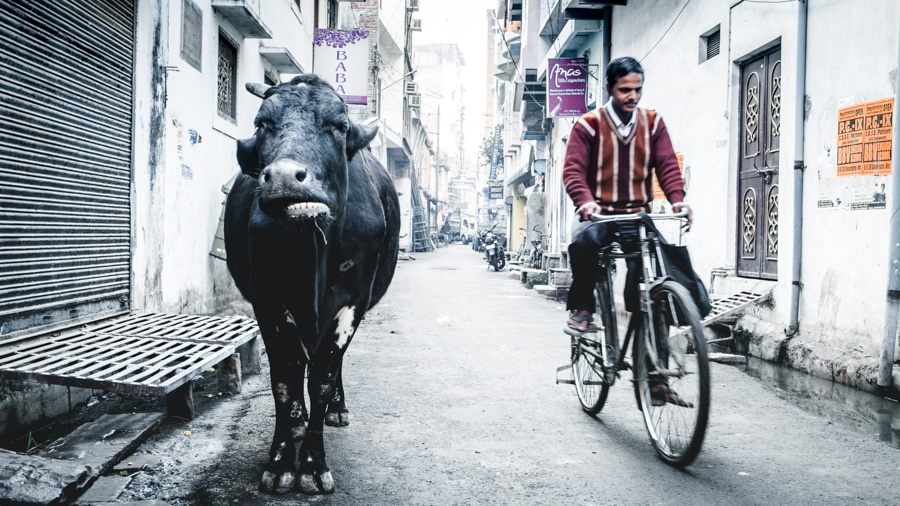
(658,194)
(879,130)
(850,140)
(864,138)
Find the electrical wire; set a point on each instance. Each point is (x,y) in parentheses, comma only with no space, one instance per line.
(515,65)
(667,30)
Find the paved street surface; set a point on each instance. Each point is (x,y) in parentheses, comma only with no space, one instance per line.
(451,386)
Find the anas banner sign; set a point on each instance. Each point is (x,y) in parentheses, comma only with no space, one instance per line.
(567,80)
(342,59)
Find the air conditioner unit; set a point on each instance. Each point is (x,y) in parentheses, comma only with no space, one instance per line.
(412,88)
(414,100)
(412,5)
(416,25)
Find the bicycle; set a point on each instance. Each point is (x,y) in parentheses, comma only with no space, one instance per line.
(669,354)
(537,261)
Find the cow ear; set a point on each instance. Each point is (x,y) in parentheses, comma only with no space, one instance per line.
(248,157)
(359,137)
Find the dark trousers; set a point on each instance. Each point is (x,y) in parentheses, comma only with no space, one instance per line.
(587,240)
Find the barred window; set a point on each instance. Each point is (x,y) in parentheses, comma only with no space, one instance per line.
(332,13)
(709,44)
(227,106)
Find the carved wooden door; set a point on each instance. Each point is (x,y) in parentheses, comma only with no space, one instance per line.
(757,240)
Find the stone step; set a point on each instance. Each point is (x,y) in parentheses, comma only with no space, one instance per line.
(30,479)
(105,490)
(552,291)
(101,444)
(727,358)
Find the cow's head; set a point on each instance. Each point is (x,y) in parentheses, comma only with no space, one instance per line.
(301,149)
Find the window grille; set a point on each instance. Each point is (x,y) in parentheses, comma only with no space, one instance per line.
(712,44)
(227,77)
(709,44)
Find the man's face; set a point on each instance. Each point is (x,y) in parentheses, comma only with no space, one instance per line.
(626,93)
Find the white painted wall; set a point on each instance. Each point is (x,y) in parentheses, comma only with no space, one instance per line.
(176,216)
(845,251)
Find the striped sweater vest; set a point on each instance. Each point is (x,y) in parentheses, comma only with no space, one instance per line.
(625,182)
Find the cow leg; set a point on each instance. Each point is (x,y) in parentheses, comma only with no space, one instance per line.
(287,363)
(315,477)
(337,414)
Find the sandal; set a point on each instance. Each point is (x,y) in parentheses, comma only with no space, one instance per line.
(578,323)
(661,394)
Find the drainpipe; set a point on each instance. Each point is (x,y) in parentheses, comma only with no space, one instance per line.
(799,167)
(885,370)
(607,50)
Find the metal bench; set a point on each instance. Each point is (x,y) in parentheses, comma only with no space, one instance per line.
(152,354)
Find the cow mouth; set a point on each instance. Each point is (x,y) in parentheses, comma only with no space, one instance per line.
(305,209)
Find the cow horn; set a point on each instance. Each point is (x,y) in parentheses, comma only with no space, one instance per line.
(257,89)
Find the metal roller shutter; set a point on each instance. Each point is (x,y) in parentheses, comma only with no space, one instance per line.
(65,160)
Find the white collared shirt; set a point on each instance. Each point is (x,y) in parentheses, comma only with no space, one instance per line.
(623,128)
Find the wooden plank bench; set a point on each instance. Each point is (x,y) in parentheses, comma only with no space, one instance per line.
(151,354)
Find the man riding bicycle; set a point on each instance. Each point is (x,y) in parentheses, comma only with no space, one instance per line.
(611,155)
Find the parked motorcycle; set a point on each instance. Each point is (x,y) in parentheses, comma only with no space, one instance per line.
(493,250)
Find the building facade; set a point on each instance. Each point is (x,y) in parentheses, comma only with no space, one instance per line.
(784,123)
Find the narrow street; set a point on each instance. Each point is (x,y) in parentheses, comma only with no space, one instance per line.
(451,386)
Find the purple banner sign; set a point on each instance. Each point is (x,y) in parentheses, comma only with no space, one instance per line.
(567,81)
(342,59)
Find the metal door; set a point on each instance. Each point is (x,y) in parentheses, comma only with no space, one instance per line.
(757,241)
(65,161)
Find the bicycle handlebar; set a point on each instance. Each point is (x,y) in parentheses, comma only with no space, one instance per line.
(600,218)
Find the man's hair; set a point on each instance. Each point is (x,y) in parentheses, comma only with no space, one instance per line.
(621,67)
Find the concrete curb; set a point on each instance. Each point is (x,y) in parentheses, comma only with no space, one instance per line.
(767,341)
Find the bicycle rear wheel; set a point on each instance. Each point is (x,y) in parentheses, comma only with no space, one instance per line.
(672,377)
(587,362)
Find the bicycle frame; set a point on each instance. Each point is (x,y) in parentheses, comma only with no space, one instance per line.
(650,265)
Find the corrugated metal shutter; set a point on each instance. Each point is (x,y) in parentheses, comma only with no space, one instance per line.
(65,160)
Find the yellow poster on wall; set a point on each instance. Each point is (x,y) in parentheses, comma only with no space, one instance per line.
(658,194)
(864,138)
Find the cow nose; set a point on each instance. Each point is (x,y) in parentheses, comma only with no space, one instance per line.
(283,171)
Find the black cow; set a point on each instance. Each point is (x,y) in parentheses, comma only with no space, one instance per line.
(311,234)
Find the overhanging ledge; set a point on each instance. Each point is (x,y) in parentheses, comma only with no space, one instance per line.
(281,59)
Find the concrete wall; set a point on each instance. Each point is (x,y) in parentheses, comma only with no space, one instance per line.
(845,250)
(844,289)
(177,184)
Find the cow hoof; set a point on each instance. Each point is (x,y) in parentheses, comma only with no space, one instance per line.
(319,484)
(340,419)
(274,483)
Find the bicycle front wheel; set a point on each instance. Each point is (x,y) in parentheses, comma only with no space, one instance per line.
(672,375)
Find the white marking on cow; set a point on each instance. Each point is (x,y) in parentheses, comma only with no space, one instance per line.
(305,351)
(345,325)
(281,393)
(296,410)
(346,265)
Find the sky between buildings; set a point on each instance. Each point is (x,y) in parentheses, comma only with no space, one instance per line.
(462,22)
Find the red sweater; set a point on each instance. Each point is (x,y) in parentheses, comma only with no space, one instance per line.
(625,182)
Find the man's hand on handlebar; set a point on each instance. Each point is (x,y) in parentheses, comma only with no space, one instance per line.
(681,206)
(587,211)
